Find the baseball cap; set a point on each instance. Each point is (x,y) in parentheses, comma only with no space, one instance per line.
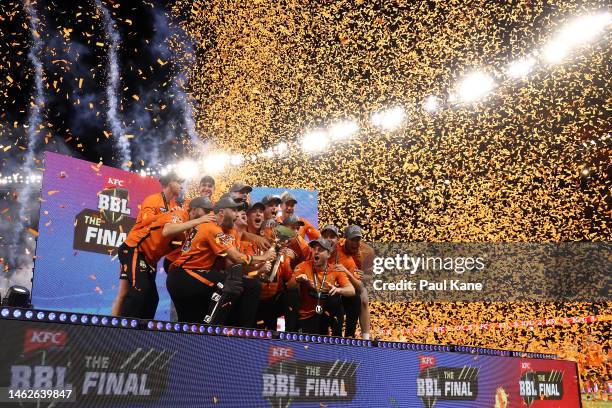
(240,186)
(286,197)
(325,244)
(332,228)
(201,202)
(226,202)
(353,231)
(270,199)
(169,177)
(293,220)
(207,179)
(255,205)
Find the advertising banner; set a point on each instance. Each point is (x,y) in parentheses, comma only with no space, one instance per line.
(113,367)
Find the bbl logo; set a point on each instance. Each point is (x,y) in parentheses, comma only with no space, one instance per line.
(113,204)
(445,383)
(104,229)
(287,380)
(541,385)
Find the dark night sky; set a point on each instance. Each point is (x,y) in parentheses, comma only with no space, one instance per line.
(75,116)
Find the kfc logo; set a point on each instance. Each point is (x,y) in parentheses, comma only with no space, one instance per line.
(115,182)
(43,339)
(279,353)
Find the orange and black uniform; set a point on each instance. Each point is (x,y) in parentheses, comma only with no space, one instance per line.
(244,309)
(193,276)
(308,230)
(351,305)
(310,321)
(277,300)
(138,268)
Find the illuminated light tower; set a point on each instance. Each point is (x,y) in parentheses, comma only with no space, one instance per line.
(281,148)
(236,159)
(475,86)
(215,163)
(343,130)
(575,34)
(315,141)
(186,169)
(521,67)
(431,104)
(389,119)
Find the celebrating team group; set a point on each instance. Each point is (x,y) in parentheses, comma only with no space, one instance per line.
(244,264)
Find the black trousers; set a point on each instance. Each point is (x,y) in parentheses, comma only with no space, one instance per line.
(286,303)
(244,310)
(191,296)
(142,298)
(352,309)
(332,317)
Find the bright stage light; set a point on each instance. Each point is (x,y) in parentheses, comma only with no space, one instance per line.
(520,68)
(186,169)
(281,148)
(576,33)
(315,141)
(554,52)
(236,160)
(475,86)
(215,163)
(431,104)
(343,130)
(389,119)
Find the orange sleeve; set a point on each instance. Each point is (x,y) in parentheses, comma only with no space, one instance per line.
(285,269)
(310,231)
(218,241)
(149,210)
(341,279)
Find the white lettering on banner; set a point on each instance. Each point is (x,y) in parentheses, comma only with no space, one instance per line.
(46,337)
(104,237)
(110,383)
(41,377)
(280,385)
(115,182)
(114,204)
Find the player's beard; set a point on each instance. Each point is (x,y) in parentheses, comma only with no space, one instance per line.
(227,222)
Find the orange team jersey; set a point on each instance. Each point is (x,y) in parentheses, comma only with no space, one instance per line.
(341,257)
(307,302)
(269,290)
(154,245)
(308,230)
(203,245)
(300,247)
(364,258)
(150,209)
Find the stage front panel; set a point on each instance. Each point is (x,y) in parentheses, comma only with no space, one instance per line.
(114,367)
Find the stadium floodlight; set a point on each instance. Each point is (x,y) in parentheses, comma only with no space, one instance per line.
(236,159)
(186,169)
(389,119)
(576,33)
(315,141)
(521,67)
(343,130)
(215,163)
(281,148)
(475,86)
(431,104)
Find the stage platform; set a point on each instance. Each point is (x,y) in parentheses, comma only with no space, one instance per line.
(103,361)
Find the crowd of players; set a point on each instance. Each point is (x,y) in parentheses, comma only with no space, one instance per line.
(244,264)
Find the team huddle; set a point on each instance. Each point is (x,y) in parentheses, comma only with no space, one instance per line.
(240,263)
